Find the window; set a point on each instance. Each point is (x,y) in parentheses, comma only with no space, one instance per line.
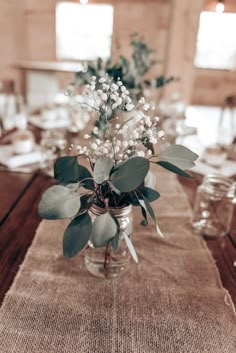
(83,32)
(216,42)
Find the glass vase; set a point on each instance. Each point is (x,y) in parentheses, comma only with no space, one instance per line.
(104,262)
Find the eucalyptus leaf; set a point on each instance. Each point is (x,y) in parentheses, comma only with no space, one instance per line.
(145,203)
(104,229)
(128,175)
(77,235)
(67,170)
(86,202)
(179,156)
(173,168)
(144,221)
(102,169)
(59,202)
(150,194)
(115,240)
(130,247)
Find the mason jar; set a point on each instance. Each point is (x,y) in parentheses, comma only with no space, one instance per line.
(214,206)
(104,262)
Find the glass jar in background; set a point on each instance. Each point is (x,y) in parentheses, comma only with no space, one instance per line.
(214,206)
(53,144)
(104,262)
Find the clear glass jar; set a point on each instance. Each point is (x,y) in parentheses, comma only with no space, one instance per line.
(214,205)
(105,262)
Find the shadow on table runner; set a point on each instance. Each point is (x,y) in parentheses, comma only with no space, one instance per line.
(171,302)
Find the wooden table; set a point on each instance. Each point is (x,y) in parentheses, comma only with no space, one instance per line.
(19,198)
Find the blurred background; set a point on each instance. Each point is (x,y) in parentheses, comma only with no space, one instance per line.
(47,45)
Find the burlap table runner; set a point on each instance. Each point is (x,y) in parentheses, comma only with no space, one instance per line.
(171,302)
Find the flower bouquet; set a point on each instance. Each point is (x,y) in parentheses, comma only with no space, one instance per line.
(98,198)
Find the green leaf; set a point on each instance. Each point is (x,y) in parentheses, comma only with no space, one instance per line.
(130,247)
(134,199)
(104,229)
(173,168)
(144,221)
(59,202)
(150,194)
(128,175)
(67,170)
(179,156)
(102,169)
(145,203)
(115,240)
(86,202)
(77,235)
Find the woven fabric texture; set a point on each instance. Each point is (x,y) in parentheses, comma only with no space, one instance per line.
(171,302)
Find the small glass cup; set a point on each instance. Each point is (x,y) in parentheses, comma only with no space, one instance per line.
(214,206)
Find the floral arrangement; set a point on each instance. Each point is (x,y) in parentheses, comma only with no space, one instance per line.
(130,71)
(119,155)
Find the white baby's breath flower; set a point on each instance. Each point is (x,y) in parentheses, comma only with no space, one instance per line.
(114,106)
(149,152)
(98,141)
(125,144)
(129,107)
(117,148)
(102,80)
(104,96)
(141,128)
(94,146)
(114,87)
(146,107)
(140,153)
(117,126)
(95,130)
(86,136)
(142,100)
(153,140)
(119,101)
(119,83)
(157,119)
(160,134)
(113,97)
(105,87)
(131,143)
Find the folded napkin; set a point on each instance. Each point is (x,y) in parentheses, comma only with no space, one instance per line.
(37,121)
(11,160)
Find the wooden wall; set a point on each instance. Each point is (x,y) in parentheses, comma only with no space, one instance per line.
(27,32)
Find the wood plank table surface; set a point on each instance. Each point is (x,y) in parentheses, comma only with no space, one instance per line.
(19,197)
